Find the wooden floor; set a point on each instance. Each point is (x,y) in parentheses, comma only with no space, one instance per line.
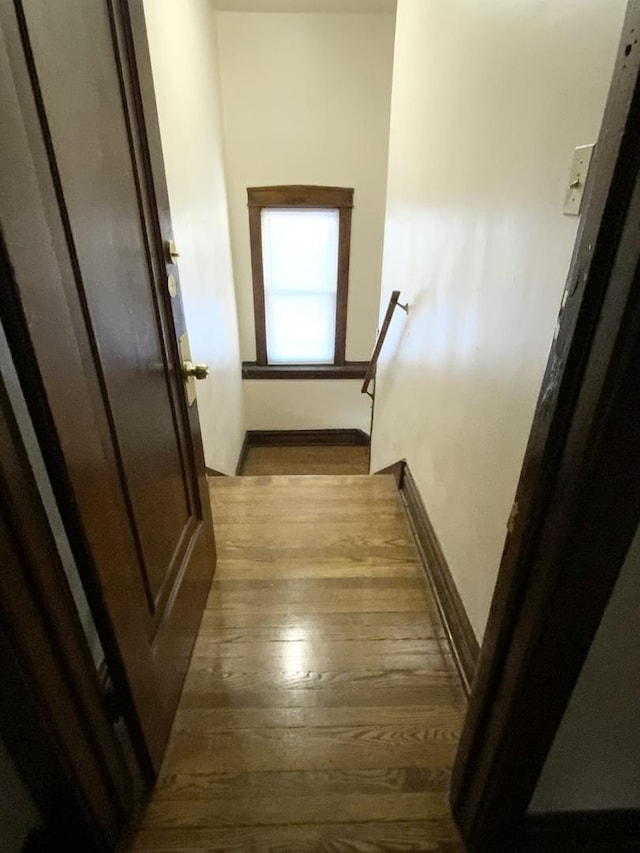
(316,459)
(322,707)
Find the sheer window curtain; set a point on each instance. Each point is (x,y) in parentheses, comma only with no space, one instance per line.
(300,268)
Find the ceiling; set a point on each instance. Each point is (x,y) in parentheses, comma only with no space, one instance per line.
(330,6)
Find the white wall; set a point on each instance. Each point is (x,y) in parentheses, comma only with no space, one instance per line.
(593,763)
(297,404)
(183,46)
(306,101)
(372,7)
(489,100)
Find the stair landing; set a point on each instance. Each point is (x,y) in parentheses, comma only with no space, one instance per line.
(322,707)
(307,459)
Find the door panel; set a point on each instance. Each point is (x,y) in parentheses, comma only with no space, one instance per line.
(90,291)
(92,150)
(51,716)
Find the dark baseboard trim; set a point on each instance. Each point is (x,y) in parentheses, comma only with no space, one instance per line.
(465,646)
(242,458)
(614,831)
(350,370)
(211,472)
(396,471)
(298,437)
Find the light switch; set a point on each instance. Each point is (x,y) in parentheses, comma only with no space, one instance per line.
(578,179)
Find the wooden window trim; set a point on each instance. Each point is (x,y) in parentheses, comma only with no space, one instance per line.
(348,370)
(299,196)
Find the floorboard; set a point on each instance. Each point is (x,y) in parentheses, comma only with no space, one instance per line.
(312,459)
(322,707)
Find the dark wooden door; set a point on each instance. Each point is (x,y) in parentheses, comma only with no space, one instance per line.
(85,214)
(52,720)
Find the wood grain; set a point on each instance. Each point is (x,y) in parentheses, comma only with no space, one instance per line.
(322,708)
(426,836)
(329,808)
(299,195)
(347,370)
(306,459)
(307,437)
(314,748)
(240,568)
(441,720)
(87,184)
(324,653)
(328,626)
(385,780)
(361,695)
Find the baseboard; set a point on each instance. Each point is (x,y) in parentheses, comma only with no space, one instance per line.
(463,640)
(614,831)
(396,471)
(298,437)
(242,458)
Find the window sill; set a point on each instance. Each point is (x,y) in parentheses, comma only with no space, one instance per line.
(350,370)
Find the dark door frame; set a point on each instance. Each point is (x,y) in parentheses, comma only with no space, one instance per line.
(577,505)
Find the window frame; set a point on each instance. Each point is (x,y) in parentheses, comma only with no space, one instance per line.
(301,196)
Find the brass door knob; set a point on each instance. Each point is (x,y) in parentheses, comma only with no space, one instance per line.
(198,371)
(172,253)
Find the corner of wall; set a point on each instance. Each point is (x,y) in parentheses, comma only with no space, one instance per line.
(183,46)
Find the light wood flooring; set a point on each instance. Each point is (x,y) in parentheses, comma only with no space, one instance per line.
(313,459)
(322,707)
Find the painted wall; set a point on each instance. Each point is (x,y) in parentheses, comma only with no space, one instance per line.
(297,404)
(183,45)
(370,6)
(306,100)
(489,100)
(593,763)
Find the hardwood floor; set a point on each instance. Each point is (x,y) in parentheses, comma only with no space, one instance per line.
(314,459)
(322,706)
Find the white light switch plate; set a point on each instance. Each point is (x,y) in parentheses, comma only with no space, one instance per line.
(578,179)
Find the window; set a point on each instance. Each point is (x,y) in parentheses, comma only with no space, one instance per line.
(300,274)
(300,241)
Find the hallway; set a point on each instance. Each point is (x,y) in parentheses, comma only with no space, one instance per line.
(322,706)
